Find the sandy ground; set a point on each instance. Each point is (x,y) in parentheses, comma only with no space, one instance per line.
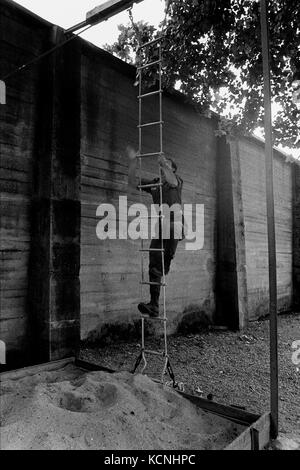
(232,366)
(71,409)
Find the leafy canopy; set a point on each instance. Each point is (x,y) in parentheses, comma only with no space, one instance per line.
(212,53)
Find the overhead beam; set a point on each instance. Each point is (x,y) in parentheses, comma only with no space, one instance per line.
(109,9)
(103,12)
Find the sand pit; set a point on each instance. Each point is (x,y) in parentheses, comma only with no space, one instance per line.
(73,409)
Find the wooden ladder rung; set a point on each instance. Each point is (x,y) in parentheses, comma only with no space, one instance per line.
(151,154)
(151,93)
(155,353)
(149,65)
(150,43)
(148,124)
(148,317)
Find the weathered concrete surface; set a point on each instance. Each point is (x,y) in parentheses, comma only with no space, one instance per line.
(296,237)
(18,123)
(110,269)
(255,212)
(63,133)
(40,182)
(54,286)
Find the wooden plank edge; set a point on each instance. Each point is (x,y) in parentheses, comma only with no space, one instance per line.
(229,412)
(89,366)
(36,369)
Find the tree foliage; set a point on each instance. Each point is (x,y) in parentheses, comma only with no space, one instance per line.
(129,39)
(212,51)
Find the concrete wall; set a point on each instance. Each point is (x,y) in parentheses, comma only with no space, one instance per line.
(242,271)
(18,121)
(63,133)
(255,212)
(110,269)
(40,177)
(296,236)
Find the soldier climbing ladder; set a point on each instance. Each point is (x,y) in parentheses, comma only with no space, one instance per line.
(157,61)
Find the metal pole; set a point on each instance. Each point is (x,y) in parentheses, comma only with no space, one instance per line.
(270,220)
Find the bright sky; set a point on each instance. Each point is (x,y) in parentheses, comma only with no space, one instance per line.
(67,13)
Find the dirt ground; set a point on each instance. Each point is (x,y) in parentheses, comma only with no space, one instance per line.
(232,366)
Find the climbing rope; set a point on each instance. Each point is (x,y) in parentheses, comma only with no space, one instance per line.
(138,34)
(135,27)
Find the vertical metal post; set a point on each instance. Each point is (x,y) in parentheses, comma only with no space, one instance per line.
(270,219)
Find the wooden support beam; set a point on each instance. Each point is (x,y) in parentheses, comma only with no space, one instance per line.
(239,232)
(231,282)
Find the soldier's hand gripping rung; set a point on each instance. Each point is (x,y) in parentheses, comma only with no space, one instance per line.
(147,250)
(154,185)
